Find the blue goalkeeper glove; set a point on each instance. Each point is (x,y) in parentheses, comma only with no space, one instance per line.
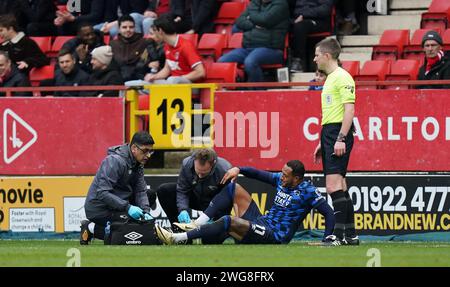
(147,216)
(135,212)
(184,217)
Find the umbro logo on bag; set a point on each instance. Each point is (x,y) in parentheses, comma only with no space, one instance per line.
(133,236)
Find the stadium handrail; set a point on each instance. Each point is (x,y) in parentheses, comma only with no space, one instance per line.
(9,90)
(358,83)
(221,86)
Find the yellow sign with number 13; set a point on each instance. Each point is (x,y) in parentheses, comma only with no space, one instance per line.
(170,115)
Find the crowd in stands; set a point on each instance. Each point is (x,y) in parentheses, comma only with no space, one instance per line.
(133,42)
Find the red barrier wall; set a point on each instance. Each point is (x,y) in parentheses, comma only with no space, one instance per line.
(57,136)
(405,130)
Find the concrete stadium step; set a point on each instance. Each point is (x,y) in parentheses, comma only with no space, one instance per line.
(361,57)
(357,50)
(359,40)
(302,77)
(361,54)
(378,23)
(408,12)
(409,4)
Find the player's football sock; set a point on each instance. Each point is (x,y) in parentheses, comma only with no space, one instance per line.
(178,237)
(202,219)
(350,220)
(91,227)
(210,230)
(85,235)
(340,212)
(99,231)
(222,201)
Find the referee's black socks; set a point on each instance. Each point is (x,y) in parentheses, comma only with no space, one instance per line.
(340,212)
(350,221)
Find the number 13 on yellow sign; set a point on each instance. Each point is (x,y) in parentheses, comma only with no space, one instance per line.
(170,116)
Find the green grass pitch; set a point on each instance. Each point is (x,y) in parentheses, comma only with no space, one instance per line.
(58,253)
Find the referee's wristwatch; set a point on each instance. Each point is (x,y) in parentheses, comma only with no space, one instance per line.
(340,137)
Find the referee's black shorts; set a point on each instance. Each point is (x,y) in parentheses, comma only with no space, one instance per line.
(333,164)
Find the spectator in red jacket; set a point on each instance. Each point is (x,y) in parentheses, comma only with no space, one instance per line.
(183,64)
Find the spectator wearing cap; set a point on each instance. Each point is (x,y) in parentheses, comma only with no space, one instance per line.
(104,72)
(437,63)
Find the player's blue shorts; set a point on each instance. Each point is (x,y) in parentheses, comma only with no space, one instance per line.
(259,231)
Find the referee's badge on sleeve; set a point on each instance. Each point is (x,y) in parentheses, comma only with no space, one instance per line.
(350,88)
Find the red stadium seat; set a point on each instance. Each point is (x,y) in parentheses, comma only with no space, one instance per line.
(246,2)
(211,45)
(221,73)
(446,39)
(229,12)
(234,42)
(191,37)
(352,67)
(42,73)
(44,43)
(414,50)
(39,74)
(227,15)
(374,70)
(437,16)
(391,45)
(143,104)
(402,70)
(215,73)
(223,29)
(57,45)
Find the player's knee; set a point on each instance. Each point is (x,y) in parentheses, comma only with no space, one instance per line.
(226,221)
(237,223)
(333,183)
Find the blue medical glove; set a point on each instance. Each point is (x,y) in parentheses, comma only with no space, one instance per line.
(147,216)
(184,217)
(135,212)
